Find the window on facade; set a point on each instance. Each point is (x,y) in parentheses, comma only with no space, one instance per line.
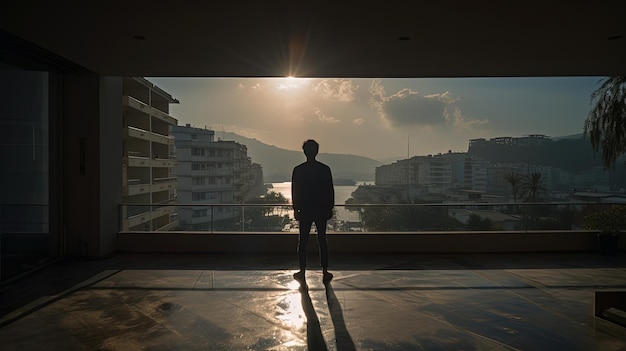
(198,166)
(199,213)
(211,180)
(194,136)
(197,151)
(198,181)
(198,196)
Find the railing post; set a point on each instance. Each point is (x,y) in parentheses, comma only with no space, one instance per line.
(212,219)
(243,218)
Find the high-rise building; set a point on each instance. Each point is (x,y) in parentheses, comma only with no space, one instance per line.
(210,173)
(430,171)
(148,161)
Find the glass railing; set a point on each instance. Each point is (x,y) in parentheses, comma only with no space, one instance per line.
(439,217)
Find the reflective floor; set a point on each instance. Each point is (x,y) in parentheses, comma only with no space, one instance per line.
(374,302)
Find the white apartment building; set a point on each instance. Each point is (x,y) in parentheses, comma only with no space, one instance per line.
(211,173)
(148,178)
(434,172)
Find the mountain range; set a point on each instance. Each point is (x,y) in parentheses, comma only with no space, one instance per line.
(278,163)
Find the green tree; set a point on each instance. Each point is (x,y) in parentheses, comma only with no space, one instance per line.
(476,223)
(515,179)
(408,218)
(264,218)
(606,123)
(531,187)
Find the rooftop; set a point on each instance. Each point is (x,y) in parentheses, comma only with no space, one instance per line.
(529,301)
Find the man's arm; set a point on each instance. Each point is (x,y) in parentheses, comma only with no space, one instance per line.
(295,194)
(331,194)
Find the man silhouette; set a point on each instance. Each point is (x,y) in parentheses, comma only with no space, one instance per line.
(313,198)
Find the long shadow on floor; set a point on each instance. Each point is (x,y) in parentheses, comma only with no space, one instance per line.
(344,340)
(314,337)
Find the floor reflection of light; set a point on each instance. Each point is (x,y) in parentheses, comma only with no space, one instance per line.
(289,312)
(293,285)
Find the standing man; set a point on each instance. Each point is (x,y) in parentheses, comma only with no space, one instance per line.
(313,198)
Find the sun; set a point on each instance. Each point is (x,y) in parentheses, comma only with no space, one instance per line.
(291,83)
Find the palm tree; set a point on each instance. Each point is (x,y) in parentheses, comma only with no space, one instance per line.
(606,123)
(532,187)
(515,179)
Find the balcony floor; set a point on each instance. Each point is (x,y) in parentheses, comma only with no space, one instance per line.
(375,302)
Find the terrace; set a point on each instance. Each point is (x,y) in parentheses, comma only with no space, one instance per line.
(514,301)
(396,290)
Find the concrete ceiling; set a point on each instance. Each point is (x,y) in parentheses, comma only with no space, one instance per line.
(384,38)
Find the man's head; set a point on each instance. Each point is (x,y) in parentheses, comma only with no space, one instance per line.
(311,148)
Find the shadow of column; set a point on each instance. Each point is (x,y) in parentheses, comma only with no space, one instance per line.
(314,338)
(344,340)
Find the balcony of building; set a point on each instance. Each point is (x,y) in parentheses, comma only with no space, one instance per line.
(130,103)
(142,134)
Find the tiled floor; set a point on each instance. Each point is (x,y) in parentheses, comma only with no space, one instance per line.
(375,302)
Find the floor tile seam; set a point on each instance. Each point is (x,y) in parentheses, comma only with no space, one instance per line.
(560,315)
(156,322)
(48,300)
(543,287)
(500,343)
(545,307)
(198,279)
(402,306)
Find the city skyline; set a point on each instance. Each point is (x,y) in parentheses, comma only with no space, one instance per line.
(382,118)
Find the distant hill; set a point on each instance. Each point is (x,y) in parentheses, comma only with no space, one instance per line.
(278,163)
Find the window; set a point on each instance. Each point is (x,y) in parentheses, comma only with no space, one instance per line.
(195,151)
(199,213)
(197,196)
(197,181)
(25,140)
(196,166)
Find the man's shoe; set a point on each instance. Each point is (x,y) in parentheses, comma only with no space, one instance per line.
(327,277)
(299,276)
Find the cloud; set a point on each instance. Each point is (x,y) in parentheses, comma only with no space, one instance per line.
(324,118)
(342,90)
(461,122)
(410,108)
(253,86)
(358,121)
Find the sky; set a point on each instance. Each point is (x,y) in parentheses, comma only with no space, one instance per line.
(382,118)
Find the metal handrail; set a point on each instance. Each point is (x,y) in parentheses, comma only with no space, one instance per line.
(446,217)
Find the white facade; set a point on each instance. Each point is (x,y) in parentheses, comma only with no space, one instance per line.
(213,172)
(147,162)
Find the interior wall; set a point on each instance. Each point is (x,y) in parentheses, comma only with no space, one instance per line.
(81,163)
(110,154)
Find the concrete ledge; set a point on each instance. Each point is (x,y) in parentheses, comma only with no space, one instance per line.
(610,305)
(420,242)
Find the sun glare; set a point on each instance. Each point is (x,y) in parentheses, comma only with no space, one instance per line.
(291,83)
